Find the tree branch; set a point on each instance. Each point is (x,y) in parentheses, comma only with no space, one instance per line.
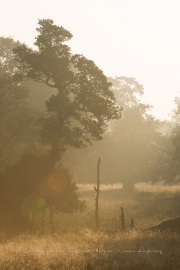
(50,85)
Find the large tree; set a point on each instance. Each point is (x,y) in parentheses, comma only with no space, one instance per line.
(25,163)
(78,113)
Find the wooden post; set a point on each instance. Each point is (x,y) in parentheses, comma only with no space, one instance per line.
(132,223)
(122,218)
(97,195)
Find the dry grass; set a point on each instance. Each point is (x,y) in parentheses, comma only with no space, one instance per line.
(78,246)
(159,187)
(92,250)
(104,187)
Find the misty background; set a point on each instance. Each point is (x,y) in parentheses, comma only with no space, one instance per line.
(79,82)
(129,38)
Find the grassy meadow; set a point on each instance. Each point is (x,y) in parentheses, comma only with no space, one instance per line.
(78,245)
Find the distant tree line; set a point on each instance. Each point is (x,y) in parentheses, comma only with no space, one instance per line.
(138,148)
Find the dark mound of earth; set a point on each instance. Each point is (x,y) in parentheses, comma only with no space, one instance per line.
(172,225)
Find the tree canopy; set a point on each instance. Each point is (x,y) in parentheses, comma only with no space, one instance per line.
(8,64)
(84,102)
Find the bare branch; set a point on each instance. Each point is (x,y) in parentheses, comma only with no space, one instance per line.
(49,84)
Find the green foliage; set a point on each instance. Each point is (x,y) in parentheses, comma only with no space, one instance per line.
(84,103)
(27,188)
(18,121)
(8,64)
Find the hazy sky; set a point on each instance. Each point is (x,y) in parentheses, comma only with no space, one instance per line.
(134,38)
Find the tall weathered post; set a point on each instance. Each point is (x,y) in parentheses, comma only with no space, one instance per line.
(97,195)
(132,224)
(122,219)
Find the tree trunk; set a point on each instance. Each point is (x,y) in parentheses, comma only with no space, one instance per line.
(122,219)
(97,195)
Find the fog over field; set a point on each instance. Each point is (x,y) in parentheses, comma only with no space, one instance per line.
(159,187)
(89,135)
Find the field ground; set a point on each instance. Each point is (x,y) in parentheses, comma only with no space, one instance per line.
(77,244)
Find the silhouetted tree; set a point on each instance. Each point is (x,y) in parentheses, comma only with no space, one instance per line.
(24,161)
(84,103)
(77,113)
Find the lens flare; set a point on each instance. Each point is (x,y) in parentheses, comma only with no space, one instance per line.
(32,202)
(57,182)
